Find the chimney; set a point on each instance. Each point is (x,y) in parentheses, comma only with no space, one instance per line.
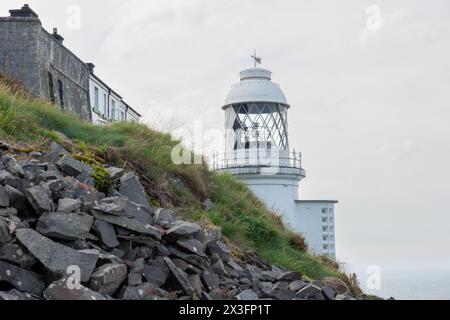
(91,67)
(24,12)
(57,36)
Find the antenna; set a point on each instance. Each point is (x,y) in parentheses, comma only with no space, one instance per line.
(257,60)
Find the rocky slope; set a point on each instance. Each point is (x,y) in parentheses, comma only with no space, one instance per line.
(62,239)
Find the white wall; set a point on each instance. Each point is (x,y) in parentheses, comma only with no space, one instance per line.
(309,223)
(99,107)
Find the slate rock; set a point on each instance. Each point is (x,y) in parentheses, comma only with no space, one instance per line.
(35,154)
(196,283)
(73,167)
(328,293)
(247,295)
(115,173)
(165,218)
(339,286)
(16,198)
(208,205)
(66,290)
(290,276)
(56,257)
(155,275)
(235,266)
(220,249)
(130,224)
(143,214)
(106,233)
(182,230)
(17,255)
(69,205)
(5,237)
(296,285)
(210,279)
(131,187)
(39,199)
(219,268)
(145,291)
(21,279)
(180,277)
(310,291)
(65,226)
(4,197)
(209,235)
(108,278)
(14,295)
(134,279)
(193,246)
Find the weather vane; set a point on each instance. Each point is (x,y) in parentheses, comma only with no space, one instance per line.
(257,60)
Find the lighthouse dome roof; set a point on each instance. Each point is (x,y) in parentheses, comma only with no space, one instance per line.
(255,86)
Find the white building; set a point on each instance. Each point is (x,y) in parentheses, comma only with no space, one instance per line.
(257,152)
(107,106)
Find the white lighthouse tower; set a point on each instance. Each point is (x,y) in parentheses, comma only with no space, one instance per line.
(257,151)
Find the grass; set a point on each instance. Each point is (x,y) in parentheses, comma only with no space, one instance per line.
(243,218)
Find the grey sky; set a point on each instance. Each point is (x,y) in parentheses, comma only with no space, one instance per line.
(370,108)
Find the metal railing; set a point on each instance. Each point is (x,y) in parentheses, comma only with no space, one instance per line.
(260,158)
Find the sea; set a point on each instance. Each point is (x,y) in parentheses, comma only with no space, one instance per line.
(408,285)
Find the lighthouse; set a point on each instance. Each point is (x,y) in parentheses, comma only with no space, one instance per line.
(257,152)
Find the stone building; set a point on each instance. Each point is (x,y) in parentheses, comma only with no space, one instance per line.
(49,70)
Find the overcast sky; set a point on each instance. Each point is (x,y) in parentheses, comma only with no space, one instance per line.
(370,102)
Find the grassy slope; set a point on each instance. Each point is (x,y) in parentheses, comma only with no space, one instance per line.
(243,218)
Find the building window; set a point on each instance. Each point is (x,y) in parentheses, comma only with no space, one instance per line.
(114,111)
(61,93)
(324,211)
(324,220)
(96,98)
(325,229)
(325,238)
(331,211)
(325,247)
(122,115)
(51,89)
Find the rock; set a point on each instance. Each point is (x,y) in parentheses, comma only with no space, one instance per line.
(180,277)
(134,279)
(145,291)
(131,187)
(5,237)
(21,279)
(115,173)
(56,257)
(328,293)
(310,291)
(69,205)
(39,199)
(182,230)
(220,249)
(86,179)
(196,283)
(108,278)
(165,218)
(35,154)
(247,295)
(106,233)
(282,285)
(15,254)
(339,286)
(209,235)
(54,147)
(155,275)
(210,279)
(219,268)
(66,290)
(290,276)
(138,266)
(14,295)
(65,226)
(73,167)
(4,197)
(341,297)
(208,205)
(138,212)
(296,285)
(193,246)
(16,198)
(235,266)
(130,224)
